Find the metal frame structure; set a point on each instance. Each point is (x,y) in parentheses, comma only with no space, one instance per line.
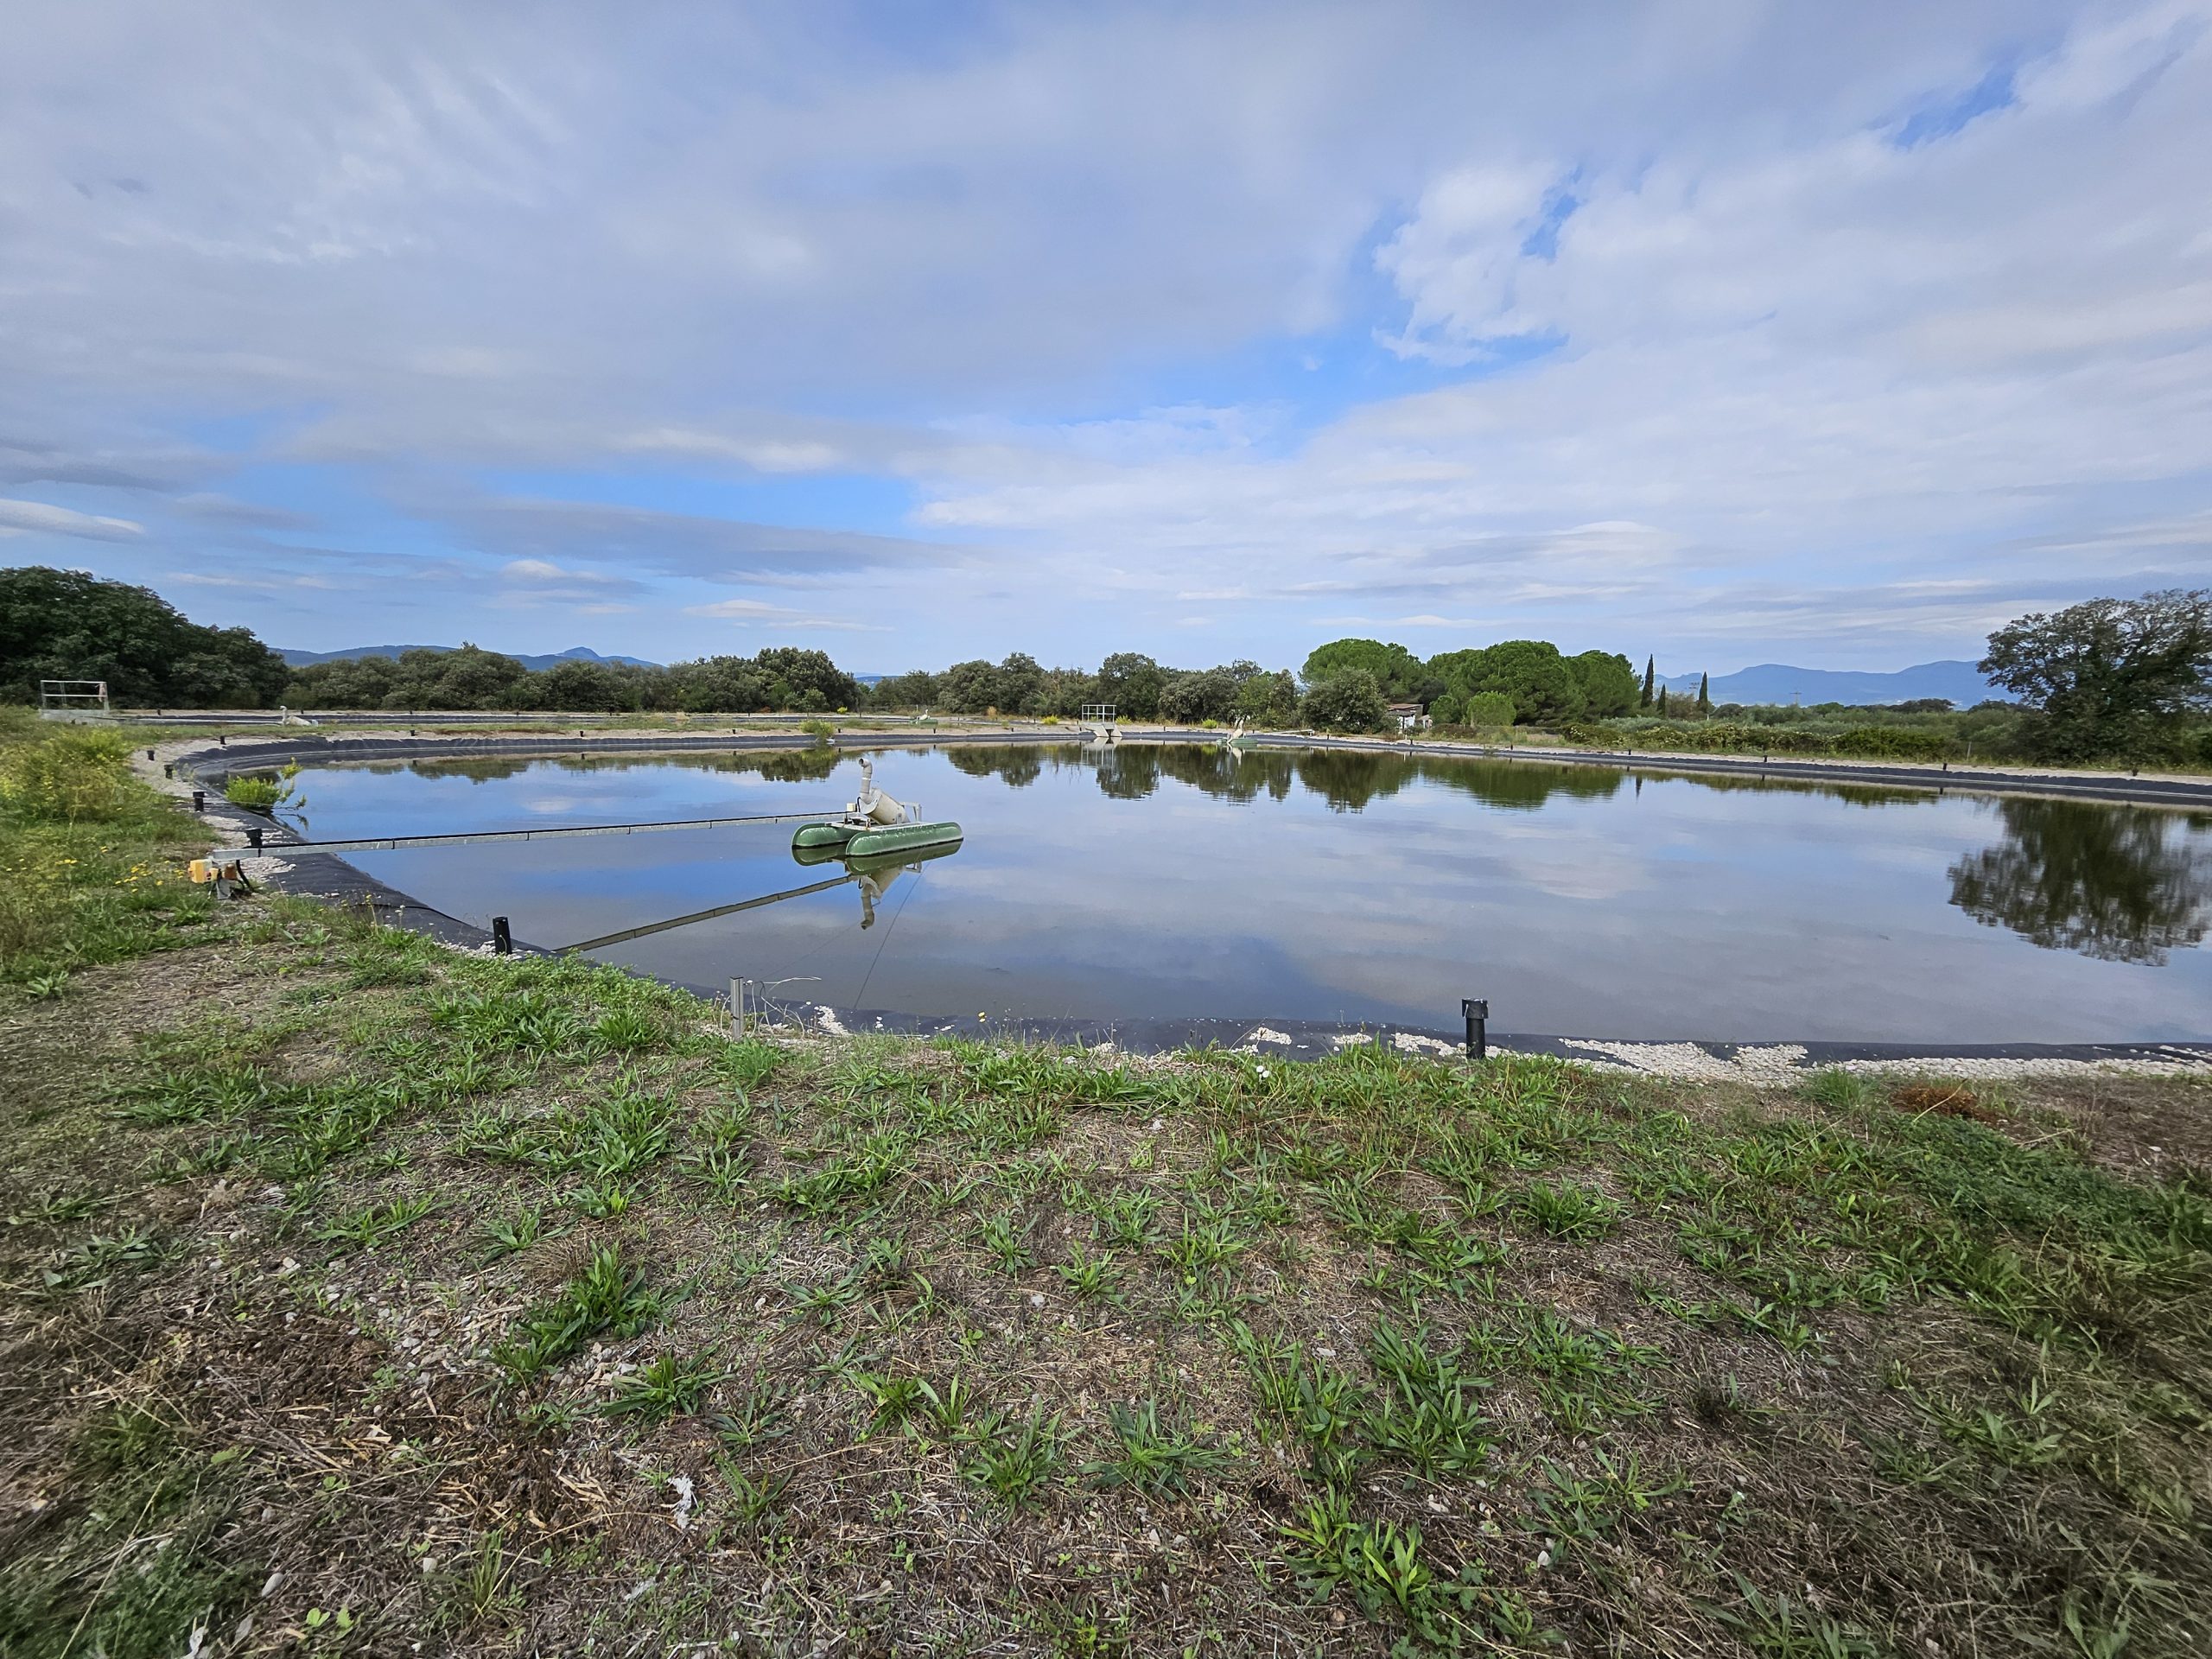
(74,700)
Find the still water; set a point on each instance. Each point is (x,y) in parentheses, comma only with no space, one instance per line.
(1185,881)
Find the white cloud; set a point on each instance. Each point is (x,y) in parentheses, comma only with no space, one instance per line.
(248,584)
(776,616)
(38,517)
(546,571)
(1479,319)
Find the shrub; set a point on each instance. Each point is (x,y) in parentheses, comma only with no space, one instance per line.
(1352,702)
(1740,737)
(262,791)
(1892,743)
(68,777)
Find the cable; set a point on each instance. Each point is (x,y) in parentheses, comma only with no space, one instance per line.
(893,922)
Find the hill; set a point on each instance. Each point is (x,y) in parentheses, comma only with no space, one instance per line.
(536,664)
(1778,683)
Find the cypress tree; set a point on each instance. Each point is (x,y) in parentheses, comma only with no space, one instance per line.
(1704,694)
(1650,665)
(1662,702)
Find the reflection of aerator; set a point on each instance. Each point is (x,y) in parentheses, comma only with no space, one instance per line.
(873,824)
(875,876)
(872,875)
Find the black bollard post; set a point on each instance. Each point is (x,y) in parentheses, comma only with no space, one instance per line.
(150,754)
(253,835)
(223,739)
(200,800)
(169,771)
(503,942)
(1477,1011)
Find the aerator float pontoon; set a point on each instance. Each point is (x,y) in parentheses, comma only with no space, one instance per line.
(873,824)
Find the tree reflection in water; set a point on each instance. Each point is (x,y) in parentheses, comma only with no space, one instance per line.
(2120,884)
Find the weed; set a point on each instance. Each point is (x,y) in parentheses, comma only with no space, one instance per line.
(1834,1086)
(627,1031)
(1209,1240)
(601,1201)
(371,1224)
(884,1259)
(1089,1277)
(1126,1219)
(952,1407)
(1381,1564)
(757,1418)
(725,1170)
(1154,1459)
(1012,1464)
(895,1396)
(1569,1211)
(2026,1441)
(97,1261)
(504,1235)
(1429,1415)
(1788,1629)
(824,1300)
(754,1500)
(668,1387)
(1576,1510)
(1004,1240)
(58,1209)
(609,1295)
(483,1587)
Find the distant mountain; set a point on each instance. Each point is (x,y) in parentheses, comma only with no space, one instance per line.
(574,654)
(1778,683)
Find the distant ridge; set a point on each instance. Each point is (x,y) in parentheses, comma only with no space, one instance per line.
(353,653)
(1778,683)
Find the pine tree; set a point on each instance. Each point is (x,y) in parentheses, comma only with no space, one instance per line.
(1650,665)
(1705,694)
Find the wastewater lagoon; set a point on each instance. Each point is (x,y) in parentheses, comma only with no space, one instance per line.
(1185,881)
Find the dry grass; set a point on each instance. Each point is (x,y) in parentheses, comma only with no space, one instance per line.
(502,1309)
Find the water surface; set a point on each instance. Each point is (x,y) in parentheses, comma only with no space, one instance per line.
(1182,881)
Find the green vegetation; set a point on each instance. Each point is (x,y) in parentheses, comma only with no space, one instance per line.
(974,1347)
(2131,678)
(1829,730)
(67,624)
(89,873)
(1350,701)
(2108,680)
(262,791)
(777,679)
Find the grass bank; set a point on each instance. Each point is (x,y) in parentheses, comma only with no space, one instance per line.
(361,1295)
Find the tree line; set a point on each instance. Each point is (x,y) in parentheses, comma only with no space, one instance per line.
(65,624)
(2106,678)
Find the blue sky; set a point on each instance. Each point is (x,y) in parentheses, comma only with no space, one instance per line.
(1725,331)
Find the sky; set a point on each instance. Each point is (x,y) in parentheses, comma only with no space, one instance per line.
(1728,332)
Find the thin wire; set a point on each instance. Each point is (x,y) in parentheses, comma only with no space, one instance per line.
(893,922)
